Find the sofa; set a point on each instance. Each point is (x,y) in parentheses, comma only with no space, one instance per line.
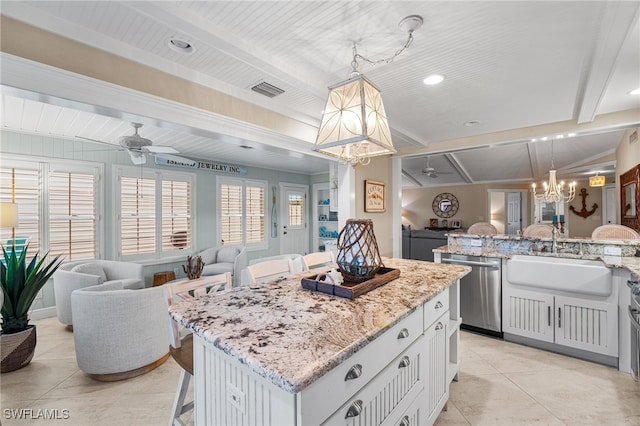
(227,258)
(85,273)
(119,333)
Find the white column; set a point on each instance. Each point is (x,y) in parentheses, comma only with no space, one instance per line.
(346,194)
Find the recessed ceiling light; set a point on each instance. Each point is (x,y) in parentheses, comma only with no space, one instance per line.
(571,135)
(433,79)
(635,91)
(544,138)
(180,46)
(471,123)
(560,136)
(533,140)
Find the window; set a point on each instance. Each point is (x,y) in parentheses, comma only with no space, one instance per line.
(155,213)
(296,210)
(241,213)
(58,204)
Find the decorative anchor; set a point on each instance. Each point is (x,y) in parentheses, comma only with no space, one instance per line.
(584,212)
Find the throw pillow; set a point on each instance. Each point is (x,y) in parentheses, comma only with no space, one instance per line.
(227,254)
(91,268)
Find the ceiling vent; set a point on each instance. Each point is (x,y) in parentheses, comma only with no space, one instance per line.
(267,89)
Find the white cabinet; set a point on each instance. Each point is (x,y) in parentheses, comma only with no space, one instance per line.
(325,222)
(527,313)
(569,321)
(437,356)
(586,324)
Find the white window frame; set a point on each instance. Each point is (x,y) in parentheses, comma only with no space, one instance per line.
(46,165)
(224,180)
(158,175)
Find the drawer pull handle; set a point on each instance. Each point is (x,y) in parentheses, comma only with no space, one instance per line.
(405,421)
(354,410)
(404,362)
(439,305)
(354,372)
(404,333)
(439,326)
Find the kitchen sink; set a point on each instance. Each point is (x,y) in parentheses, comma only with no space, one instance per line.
(590,277)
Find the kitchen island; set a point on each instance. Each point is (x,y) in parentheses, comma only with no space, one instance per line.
(282,355)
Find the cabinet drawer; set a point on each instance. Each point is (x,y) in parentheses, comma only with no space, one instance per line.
(389,394)
(435,307)
(412,415)
(329,392)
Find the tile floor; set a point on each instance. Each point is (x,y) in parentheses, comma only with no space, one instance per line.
(500,383)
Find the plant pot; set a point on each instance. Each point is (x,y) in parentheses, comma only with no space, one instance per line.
(17,349)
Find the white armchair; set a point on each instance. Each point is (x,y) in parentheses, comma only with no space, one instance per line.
(230,258)
(85,273)
(119,333)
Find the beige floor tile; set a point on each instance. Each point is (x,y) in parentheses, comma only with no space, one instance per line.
(501,383)
(451,417)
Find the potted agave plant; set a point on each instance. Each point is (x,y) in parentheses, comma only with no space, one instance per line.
(20,284)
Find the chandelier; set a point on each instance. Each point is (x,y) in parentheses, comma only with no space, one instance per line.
(354,124)
(554,191)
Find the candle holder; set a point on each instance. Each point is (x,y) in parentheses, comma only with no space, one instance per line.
(358,255)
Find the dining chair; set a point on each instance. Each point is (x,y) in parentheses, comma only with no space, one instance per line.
(181,348)
(482,228)
(319,259)
(267,270)
(614,232)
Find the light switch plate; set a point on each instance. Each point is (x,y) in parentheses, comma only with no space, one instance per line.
(612,251)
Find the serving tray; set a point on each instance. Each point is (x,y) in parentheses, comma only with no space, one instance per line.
(349,289)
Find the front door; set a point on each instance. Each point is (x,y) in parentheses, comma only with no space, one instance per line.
(294,214)
(514,218)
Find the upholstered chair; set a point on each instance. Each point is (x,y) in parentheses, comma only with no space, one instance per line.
(85,273)
(118,333)
(227,258)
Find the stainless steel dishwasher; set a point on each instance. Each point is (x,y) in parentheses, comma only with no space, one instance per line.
(480,293)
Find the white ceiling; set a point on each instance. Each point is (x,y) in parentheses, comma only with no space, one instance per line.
(515,67)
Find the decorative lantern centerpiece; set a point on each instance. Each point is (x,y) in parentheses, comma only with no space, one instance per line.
(358,256)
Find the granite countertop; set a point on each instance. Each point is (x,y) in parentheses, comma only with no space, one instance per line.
(293,336)
(630,263)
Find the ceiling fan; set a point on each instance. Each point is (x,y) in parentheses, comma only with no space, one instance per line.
(138,147)
(431,172)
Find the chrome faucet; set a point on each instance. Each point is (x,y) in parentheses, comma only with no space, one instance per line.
(554,240)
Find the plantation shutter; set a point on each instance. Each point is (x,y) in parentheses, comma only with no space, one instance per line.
(255,221)
(176,215)
(72,215)
(22,186)
(137,215)
(231,214)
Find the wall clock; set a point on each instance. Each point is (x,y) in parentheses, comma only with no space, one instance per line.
(445,205)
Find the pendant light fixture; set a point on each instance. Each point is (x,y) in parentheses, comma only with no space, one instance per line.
(554,191)
(597,180)
(354,124)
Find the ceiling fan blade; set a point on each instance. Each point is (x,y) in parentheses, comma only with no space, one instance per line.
(156,149)
(187,162)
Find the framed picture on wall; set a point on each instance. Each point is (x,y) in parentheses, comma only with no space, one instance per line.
(373,196)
